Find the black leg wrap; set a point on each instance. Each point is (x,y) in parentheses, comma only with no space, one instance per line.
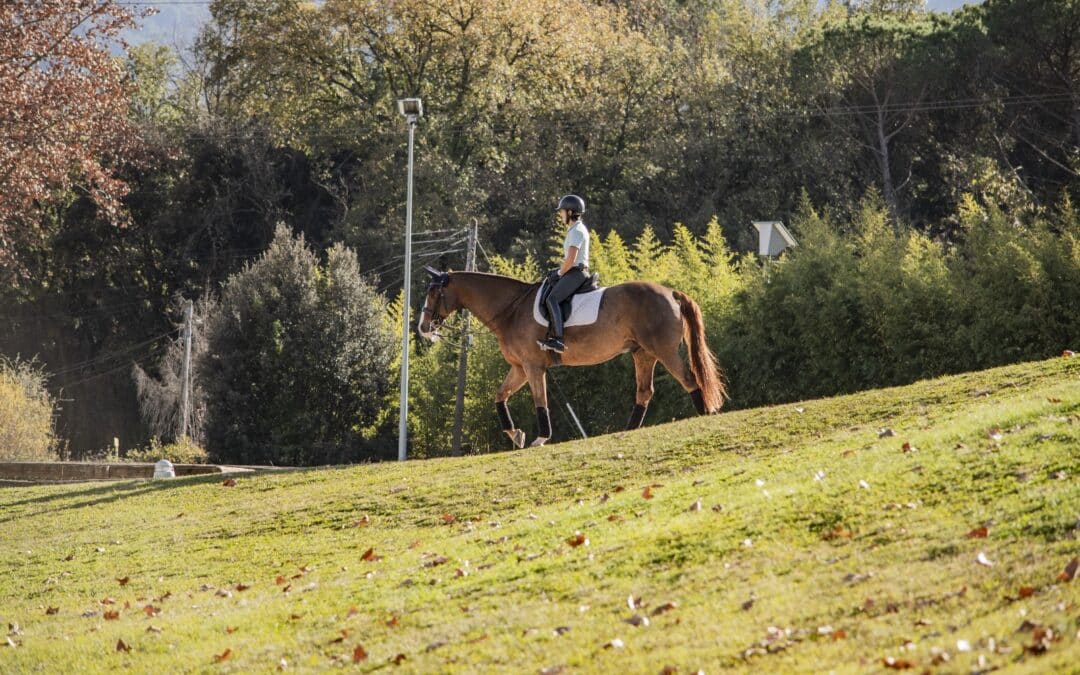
(637,417)
(543,423)
(504,415)
(699,401)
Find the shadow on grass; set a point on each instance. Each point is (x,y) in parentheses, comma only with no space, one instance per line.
(110,492)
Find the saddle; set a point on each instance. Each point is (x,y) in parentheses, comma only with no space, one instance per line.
(591,284)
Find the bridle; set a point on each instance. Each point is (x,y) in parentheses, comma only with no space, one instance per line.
(439,280)
(440,303)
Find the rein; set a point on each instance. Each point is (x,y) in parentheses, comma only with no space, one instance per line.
(494,325)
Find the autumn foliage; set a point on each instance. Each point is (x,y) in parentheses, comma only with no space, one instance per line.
(63,110)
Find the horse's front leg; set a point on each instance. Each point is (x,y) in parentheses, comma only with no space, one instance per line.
(514,381)
(538,384)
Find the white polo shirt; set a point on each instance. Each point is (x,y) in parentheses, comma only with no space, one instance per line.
(578,235)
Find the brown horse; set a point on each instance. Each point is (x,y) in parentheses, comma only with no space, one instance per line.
(648,320)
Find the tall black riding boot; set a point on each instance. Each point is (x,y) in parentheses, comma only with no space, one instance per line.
(555,342)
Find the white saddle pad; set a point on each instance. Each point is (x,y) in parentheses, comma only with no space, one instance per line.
(585,308)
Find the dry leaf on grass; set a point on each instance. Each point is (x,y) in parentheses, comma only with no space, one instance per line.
(369,556)
(1069,573)
(578,539)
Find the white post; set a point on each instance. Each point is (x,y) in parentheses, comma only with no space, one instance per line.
(403,427)
(185,377)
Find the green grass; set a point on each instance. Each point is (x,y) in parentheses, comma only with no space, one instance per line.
(888,567)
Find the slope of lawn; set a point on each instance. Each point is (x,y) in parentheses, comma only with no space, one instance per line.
(793,538)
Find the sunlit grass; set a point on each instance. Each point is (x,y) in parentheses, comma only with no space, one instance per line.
(819,544)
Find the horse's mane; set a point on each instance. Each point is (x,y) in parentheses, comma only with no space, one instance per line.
(504,314)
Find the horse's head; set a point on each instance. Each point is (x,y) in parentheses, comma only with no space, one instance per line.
(439,304)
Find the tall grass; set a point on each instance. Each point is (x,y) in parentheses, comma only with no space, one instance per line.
(26,413)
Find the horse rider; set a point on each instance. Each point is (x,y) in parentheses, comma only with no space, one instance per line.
(573,272)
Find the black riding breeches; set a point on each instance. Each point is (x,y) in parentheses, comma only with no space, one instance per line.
(567,285)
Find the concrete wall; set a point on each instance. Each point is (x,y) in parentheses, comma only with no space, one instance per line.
(81,471)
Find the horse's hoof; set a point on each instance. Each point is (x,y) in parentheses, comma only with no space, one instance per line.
(540,440)
(517,437)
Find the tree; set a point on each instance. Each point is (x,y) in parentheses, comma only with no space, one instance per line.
(63,112)
(298,358)
(875,72)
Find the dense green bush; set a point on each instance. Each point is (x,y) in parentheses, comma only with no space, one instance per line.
(26,413)
(298,360)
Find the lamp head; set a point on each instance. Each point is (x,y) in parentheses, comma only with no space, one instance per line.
(410,107)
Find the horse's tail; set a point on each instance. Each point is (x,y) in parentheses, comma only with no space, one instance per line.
(702,361)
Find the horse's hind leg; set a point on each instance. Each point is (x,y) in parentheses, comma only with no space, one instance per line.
(680,370)
(515,379)
(644,364)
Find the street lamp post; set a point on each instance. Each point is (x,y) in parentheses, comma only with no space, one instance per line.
(412,109)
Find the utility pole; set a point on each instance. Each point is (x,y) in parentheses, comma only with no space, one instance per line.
(463,362)
(185,384)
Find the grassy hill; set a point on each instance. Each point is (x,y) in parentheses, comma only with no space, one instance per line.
(792,538)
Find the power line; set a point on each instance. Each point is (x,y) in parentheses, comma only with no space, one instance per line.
(109,356)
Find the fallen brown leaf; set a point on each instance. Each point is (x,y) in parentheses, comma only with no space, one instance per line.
(108,601)
(978,533)
(647,492)
(51,610)
(398,659)
(353,611)
(124,581)
(838,532)
(448,518)
(229,630)
(896,664)
(229,482)
(242,587)
(359,654)
(1069,573)
(666,607)
(363,522)
(121,646)
(369,556)
(578,539)
(150,610)
(223,656)
(112,615)
(1027,591)
(280,580)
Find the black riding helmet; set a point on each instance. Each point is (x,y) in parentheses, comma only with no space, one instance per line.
(572,203)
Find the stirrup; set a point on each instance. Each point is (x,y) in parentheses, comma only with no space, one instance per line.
(552,345)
